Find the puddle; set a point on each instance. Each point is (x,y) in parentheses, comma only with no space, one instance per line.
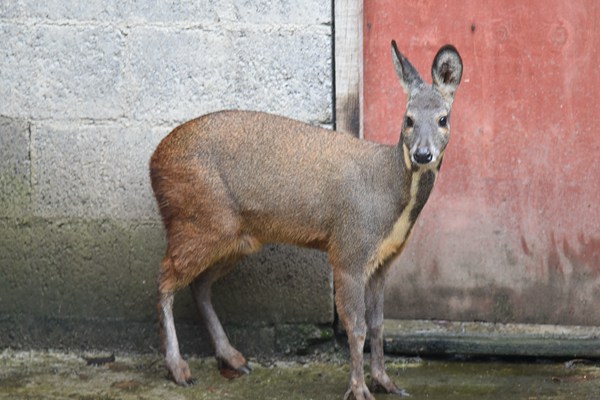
(500,380)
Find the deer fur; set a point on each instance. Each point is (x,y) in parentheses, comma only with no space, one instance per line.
(229,182)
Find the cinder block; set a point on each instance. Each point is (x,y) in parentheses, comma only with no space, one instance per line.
(147,245)
(280,12)
(15,167)
(52,10)
(58,72)
(183,74)
(15,69)
(260,12)
(63,268)
(93,171)
(300,338)
(15,269)
(279,285)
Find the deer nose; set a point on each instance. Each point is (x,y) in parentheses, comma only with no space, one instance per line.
(423,155)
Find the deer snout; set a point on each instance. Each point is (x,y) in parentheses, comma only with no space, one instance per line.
(422,155)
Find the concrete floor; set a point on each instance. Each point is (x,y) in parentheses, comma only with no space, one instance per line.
(60,375)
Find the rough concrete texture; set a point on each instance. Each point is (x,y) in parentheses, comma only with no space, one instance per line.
(15,167)
(201,12)
(93,171)
(56,375)
(86,93)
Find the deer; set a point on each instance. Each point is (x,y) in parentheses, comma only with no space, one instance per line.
(230,181)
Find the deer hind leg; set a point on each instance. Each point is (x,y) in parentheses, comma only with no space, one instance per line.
(374,316)
(190,253)
(177,367)
(227,356)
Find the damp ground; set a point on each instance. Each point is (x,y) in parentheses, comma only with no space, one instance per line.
(63,375)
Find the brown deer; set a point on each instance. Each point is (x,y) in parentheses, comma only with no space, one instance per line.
(228,182)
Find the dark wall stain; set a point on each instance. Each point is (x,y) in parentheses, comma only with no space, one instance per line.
(587,257)
(350,120)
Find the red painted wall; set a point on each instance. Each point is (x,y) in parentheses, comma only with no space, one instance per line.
(511,232)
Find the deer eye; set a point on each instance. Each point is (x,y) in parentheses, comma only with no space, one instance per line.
(442,122)
(409,122)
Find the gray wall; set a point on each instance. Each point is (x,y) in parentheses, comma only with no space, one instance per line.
(87,90)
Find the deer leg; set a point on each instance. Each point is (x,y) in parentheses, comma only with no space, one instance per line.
(374,316)
(178,269)
(226,354)
(178,368)
(349,298)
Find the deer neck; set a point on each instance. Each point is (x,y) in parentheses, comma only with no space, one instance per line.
(420,181)
(417,183)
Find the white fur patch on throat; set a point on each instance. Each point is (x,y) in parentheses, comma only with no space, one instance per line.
(394,242)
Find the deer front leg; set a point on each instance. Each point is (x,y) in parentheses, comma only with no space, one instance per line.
(374,315)
(349,298)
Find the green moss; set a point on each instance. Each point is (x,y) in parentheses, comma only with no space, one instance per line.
(15,196)
(302,338)
(28,375)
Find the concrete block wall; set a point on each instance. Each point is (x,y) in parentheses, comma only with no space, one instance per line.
(87,90)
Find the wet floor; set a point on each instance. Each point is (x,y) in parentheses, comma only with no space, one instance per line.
(57,375)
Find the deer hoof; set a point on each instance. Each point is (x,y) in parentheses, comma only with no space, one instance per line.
(180,373)
(230,372)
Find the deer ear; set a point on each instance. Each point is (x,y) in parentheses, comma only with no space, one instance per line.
(409,77)
(446,71)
